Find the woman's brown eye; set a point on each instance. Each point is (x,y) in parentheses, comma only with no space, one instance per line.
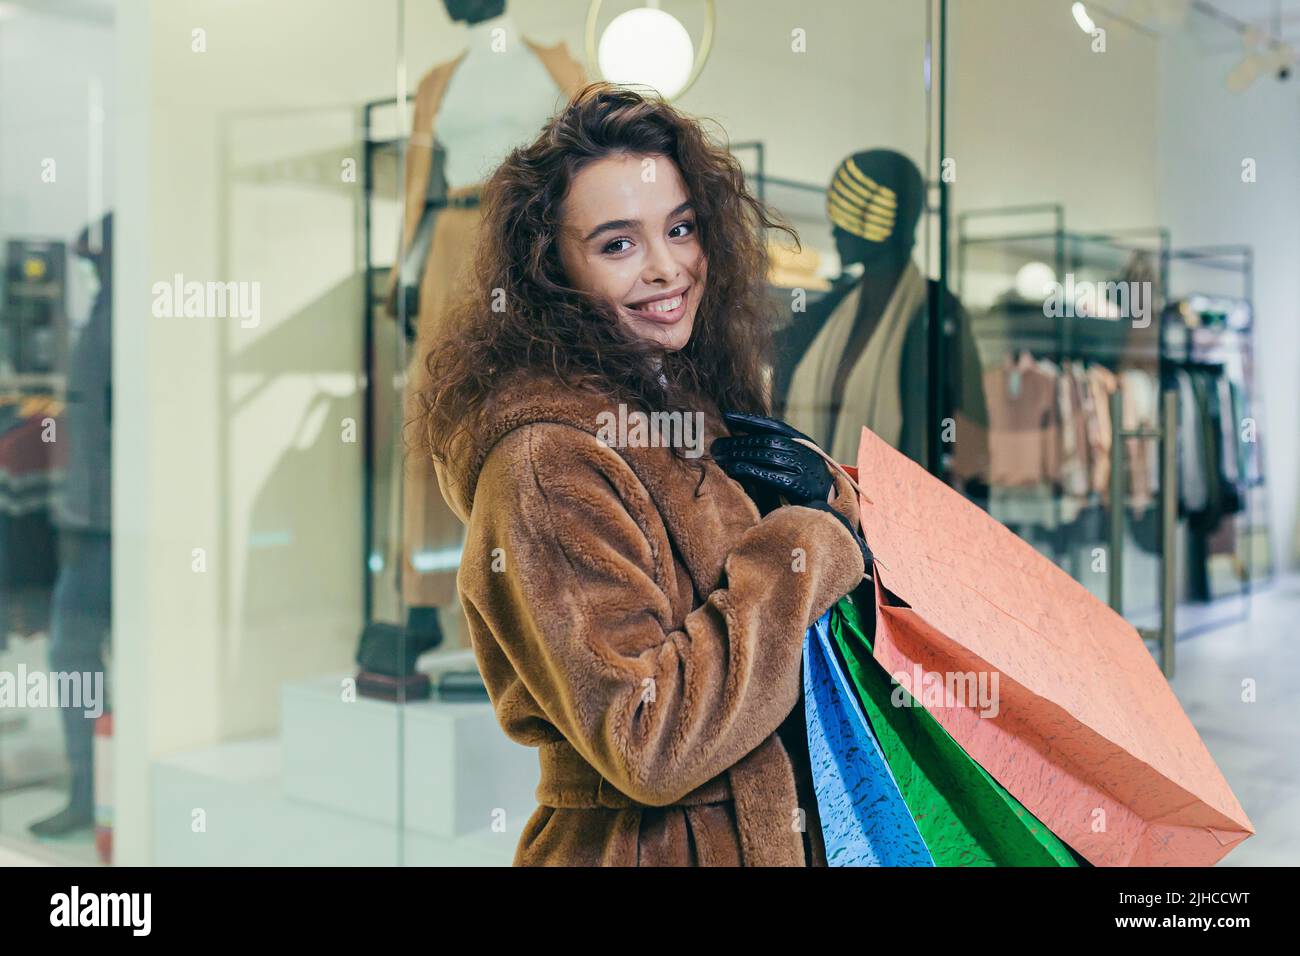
(611,247)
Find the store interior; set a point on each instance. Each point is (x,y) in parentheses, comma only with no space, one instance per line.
(1084,228)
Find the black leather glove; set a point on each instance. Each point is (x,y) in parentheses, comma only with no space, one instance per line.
(769,463)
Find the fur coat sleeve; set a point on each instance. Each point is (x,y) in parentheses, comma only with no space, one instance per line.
(588,629)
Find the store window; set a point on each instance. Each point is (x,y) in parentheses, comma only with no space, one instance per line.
(293,191)
(1113,281)
(1046,251)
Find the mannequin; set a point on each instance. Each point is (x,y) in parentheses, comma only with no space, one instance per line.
(82,600)
(472,110)
(858,355)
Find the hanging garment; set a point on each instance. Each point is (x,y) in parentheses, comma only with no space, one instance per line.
(1231,457)
(1024,424)
(965,817)
(29,477)
(1140,408)
(1074,475)
(1191,466)
(1209,437)
(872,388)
(863,817)
(1101,386)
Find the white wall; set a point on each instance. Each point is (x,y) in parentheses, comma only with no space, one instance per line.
(48,66)
(1144,134)
(1205,134)
(1035,116)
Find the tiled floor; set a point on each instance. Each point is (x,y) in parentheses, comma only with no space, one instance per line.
(21,807)
(1256,744)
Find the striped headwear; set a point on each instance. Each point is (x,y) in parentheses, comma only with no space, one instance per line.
(861,206)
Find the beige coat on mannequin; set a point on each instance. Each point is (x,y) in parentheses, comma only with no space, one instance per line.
(642,626)
(427,524)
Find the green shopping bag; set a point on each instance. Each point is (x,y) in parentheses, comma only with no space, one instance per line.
(965,817)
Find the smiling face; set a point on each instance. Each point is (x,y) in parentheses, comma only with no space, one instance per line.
(634,243)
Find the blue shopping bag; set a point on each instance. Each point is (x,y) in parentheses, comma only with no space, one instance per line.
(863,817)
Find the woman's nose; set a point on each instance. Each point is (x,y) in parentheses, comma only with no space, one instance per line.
(661,265)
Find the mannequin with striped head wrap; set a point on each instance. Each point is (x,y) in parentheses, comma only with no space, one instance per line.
(858,355)
(874,202)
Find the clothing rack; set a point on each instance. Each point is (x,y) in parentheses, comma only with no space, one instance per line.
(1038,232)
(1224,277)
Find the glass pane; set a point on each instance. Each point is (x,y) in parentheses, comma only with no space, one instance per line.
(59,102)
(217,509)
(229,159)
(1129,268)
(784,89)
(1057,242)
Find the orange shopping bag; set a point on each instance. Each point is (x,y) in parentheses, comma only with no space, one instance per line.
(1050,690)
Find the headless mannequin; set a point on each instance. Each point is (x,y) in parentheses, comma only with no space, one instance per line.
(494,96)
(470,12)
(498,97)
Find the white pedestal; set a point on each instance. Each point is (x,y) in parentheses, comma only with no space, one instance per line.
(456,773)
(235,790)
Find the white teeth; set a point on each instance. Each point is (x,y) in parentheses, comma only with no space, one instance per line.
(664,305)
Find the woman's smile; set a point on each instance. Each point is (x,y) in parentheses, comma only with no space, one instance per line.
(667,308)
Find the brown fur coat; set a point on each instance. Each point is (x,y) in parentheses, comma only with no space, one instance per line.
(643,629)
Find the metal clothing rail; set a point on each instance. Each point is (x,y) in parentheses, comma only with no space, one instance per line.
(1164,635)
(1105,341)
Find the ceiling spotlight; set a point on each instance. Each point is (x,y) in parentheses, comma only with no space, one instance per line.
(1082,19)
(646,46)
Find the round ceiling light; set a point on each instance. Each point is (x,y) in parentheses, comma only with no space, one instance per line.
(647,47)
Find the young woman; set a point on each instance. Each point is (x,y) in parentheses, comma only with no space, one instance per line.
(636,615)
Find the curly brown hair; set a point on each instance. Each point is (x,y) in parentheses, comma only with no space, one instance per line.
(547,324)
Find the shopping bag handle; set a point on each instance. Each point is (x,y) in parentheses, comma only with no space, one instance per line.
(835,466)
